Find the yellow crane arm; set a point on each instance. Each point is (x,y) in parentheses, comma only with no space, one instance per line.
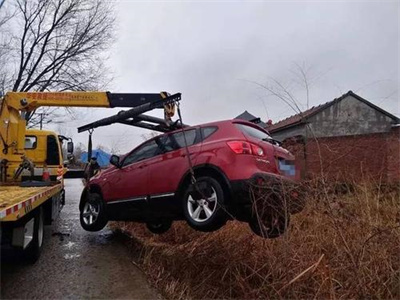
(13,126)
(22,101)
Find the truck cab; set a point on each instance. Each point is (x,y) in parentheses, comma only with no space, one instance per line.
(45,149)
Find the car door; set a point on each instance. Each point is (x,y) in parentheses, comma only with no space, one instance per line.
(167,170)
(130,182)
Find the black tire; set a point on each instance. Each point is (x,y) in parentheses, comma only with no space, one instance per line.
(271,224)
(159,227)
(34,249)
(193,199)
(92,214)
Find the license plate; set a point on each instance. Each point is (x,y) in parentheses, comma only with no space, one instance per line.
(287,167)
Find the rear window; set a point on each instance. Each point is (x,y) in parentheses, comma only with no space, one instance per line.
(253,132)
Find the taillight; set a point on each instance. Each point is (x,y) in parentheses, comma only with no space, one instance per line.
(257,150)
(242,147)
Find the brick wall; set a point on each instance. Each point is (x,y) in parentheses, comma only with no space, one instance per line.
(360,157)
(393,155)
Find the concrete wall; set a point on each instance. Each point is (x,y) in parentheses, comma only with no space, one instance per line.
(349,117)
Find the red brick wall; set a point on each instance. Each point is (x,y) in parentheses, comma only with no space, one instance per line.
(393,155)
(347,158)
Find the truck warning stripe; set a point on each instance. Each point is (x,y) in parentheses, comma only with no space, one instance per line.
(27,203)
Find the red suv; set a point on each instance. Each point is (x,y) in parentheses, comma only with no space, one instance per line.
(204,174)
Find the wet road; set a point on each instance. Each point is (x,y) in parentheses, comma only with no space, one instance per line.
(76,264)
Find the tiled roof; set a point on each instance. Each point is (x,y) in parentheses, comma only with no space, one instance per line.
(301,117)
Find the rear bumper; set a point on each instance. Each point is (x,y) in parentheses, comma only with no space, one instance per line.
(265,184)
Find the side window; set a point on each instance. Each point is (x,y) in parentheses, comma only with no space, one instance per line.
(166,143)
(207,131)
(53,154)
(175,141)
(30,142)
(145,151)
(179,140)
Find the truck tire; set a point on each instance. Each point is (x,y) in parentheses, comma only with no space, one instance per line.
(93,215)
(203,210)
(32,252)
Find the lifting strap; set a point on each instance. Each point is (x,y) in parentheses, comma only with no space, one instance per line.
(193,178)
(90,145)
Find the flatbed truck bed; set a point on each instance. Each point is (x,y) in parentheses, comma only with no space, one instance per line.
(24,210)
(17,201)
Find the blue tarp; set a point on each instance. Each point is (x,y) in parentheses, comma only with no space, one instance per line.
(103,158)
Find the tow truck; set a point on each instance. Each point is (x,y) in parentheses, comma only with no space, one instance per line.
(32,171)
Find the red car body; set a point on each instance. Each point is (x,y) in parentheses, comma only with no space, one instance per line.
(149,181)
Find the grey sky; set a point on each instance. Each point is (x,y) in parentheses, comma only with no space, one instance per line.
(210,51)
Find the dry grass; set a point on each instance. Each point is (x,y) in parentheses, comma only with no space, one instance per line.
(341,246)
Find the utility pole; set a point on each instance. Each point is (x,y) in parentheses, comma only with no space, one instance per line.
(41,121)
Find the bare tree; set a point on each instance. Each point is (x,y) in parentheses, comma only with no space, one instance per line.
(59,45)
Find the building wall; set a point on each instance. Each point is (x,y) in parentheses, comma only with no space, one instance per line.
(291,131)
(349,116)
(366,157)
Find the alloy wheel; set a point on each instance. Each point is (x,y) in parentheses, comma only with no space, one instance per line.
(90,213)
(203,209)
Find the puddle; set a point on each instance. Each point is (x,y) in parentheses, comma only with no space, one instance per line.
(71,256)
(69,245)
(61,235)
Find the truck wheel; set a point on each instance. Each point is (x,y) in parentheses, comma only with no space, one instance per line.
(159,227)
(271,225)
(32,252)
(93,215)
(203,206)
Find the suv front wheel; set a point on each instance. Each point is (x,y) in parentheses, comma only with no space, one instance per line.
(92,215)
(203,205)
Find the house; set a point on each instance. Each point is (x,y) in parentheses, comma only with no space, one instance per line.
(251,118)
(347,115)
(346,139)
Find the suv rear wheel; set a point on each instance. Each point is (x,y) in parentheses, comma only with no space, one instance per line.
(270,225)
(203,205)
(159,227)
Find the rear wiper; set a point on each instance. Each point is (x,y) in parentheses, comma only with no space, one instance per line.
(272,141)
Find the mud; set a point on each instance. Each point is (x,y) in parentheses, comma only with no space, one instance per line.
(75,263)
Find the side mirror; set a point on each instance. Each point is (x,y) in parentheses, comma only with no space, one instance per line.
(70,147)
(114,160)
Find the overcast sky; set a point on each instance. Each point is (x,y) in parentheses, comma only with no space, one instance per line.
(212,52)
